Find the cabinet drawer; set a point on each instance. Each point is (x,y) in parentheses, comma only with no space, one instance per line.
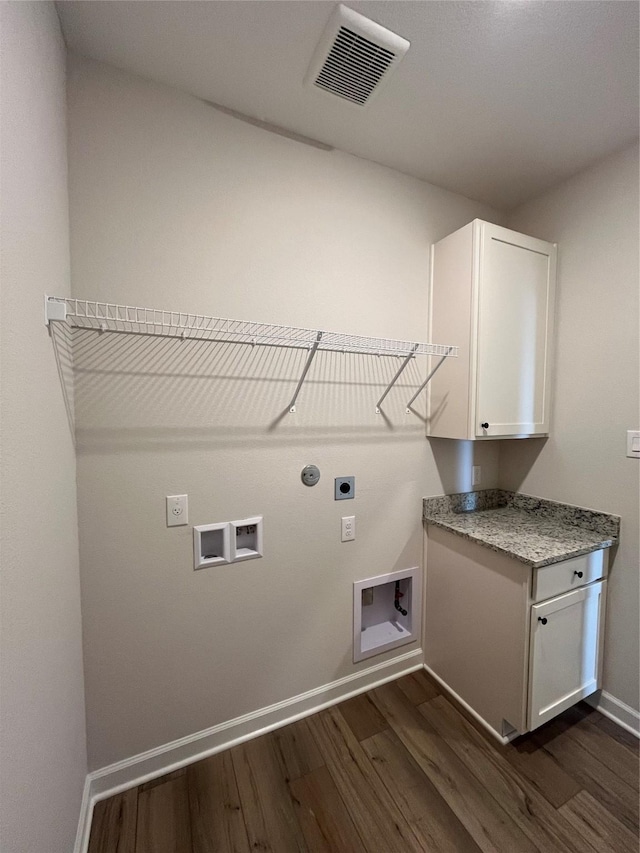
(569,574)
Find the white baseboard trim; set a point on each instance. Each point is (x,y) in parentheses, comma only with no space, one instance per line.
(503,739)
(84,821)
(133,771)
(622,714)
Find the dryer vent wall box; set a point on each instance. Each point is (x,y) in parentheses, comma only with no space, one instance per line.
(227,542)
(386,612)
(211,545)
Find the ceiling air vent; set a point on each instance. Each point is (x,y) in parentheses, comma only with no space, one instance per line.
(355,57)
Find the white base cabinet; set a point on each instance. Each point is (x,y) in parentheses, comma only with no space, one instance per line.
(493,295)
(514,659)
(565,655)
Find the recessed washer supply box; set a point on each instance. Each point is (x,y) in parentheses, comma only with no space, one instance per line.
(377,624)
(245,539)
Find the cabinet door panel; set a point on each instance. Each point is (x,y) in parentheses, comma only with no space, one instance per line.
(565,651)
(515,299)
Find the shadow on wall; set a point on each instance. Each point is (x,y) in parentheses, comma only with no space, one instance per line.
(62,339)
(139,392)
(507,463)
(454,461)
(517,458)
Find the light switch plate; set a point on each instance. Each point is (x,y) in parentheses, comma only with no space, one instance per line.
(633,443)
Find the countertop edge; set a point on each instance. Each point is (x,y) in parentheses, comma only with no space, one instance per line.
(537,564)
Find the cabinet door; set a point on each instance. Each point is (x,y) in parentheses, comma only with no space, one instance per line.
(516,295)
(564,651)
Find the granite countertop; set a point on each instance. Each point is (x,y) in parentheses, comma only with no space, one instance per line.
(533,530)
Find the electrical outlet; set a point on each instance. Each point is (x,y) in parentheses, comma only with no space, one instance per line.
(476,475)
(348,528)
(177,510)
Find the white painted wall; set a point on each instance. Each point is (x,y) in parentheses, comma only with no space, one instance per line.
(594,219)
(42,726)
(176,205)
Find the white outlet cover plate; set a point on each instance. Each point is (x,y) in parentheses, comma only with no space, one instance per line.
(177,510)
(633,443)
(348,528)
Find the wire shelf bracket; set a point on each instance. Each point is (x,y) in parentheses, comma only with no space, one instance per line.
(154,322)
(425,383)
(310,357)
(396,377)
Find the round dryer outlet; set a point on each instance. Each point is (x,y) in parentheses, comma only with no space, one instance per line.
(310,475)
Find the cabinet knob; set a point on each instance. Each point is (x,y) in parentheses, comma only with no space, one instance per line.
(542,619)
(579,574)
(485,425)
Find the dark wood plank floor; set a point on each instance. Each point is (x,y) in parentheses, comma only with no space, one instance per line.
(400,768)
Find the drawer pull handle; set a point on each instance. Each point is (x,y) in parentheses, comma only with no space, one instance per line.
(485,425)
(542,619)
(579,574)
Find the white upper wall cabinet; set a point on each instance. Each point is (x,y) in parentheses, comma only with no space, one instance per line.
(493,293)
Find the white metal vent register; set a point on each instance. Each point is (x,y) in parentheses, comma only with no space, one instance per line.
(354,67)
(354,56)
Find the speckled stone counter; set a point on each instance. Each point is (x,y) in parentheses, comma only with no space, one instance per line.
(533,530)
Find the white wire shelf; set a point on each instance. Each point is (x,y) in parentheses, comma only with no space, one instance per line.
(126,319)
(107,317)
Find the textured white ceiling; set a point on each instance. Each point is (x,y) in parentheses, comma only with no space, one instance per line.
(494,100)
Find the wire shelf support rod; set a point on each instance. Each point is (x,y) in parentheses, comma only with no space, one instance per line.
(396,377)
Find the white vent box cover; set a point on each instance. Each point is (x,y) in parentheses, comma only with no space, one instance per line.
(355,57)
(211,545)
